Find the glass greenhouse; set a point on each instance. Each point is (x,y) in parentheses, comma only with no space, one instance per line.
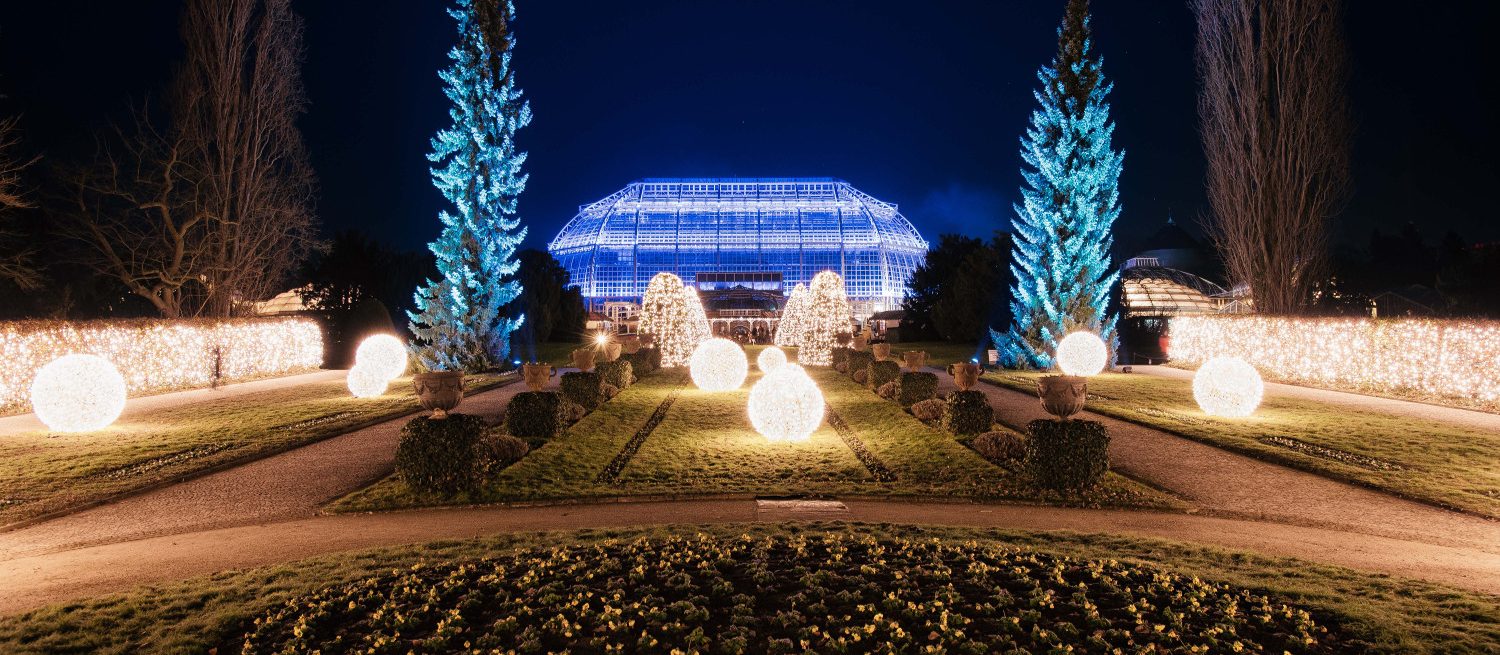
(779,232)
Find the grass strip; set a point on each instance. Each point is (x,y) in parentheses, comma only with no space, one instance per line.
(877,468)
(611,473)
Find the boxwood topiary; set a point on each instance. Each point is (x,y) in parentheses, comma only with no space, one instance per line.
(498,451)
(840,359)
(583,388)
(640,362)
(1000,447)
(859,361)
(881,373)
(968,412)
(1066,455)
(916,387)
(653,357)
(441,455)
(618,372)
(536,415)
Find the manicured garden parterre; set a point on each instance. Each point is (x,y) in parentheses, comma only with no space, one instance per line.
(1443,463)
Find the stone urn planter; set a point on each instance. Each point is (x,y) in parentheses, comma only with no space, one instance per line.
(439,391)
(965,375)
(536,375)
(630,344)
(583,359)
(859,344)
(914,359)
(612,351)
(882,351)
(1062,395)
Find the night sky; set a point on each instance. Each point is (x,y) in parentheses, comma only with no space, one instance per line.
(920,104)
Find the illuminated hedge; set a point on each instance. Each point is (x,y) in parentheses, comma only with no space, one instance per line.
(1428,357)
(159,355)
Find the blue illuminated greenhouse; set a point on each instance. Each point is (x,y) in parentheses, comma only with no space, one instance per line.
(763,234)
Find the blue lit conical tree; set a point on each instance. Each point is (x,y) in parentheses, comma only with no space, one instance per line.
(459,324)
(1070,200)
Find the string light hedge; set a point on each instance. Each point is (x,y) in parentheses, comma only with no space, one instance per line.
(155,355)
(673,315)
(827,313)
(1431,358)
(789,328)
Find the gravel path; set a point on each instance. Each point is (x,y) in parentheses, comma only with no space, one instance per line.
(1233,485)
(291,485)
(32,582)
(1423,411)
(19,423)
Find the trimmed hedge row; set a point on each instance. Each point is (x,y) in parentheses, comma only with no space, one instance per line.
(452,455)
(968,412)
(536,415)
(582,387)
(881,373)
(913,388)
(1066,455)
(619,373)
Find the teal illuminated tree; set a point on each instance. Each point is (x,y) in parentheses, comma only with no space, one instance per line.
(459,324)
(1062,229)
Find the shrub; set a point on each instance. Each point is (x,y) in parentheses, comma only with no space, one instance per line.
(619,373)
(888,390)
(583,388)
(861,375)
(859,362)
(968,412)
(916,387)
(537,414)
(653,358)
(1000,447)
(841,359)
(881,373)
(441,455)
(497,451)
(640,363)
(1066,455)
(609,391)
(928,410)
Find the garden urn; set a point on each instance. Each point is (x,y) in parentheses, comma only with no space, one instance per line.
(612,351)
(965,375)
(859,344)
(630,344)
(915,359)
(1062,395)
(882,351)
(536,375)
(439,391)
(583,359)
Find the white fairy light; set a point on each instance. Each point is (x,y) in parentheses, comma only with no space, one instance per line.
(825,314)
(786,405)
(366,381)
(78,393)
(384,354)
(770,359)
(1453,358)
(1227,386)
(673,315)
(719,365)
(789,327)
(1082,353)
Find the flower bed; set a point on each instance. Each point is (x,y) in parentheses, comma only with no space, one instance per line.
(1438,359)
(821,592)
(157,355)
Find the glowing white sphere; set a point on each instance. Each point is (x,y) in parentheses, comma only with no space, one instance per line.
(367,381)
(383,354)
(78,393)
(719,365)
(1082,353)
(770,359)
(786,405)
(1227,386)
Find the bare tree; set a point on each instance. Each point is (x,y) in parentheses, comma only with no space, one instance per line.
(141,212)
(17,262)
(1275,126)
(239,94)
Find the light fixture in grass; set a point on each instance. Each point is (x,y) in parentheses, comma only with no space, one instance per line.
(383,354)
(719,365)
(1228,386)
(367,381)
(78,393)
(786,405)
(770,359)
(1082,353)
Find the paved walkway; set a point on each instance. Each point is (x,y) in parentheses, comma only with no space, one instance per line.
(19,423)
(1233,485)
(291,485)
(32,582)
(1360,402)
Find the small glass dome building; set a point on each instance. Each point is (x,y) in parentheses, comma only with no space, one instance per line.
(763,234)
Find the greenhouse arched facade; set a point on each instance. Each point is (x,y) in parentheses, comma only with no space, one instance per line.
(759,234)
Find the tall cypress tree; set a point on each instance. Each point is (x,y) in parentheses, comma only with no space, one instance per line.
(1062,229)
(459,324)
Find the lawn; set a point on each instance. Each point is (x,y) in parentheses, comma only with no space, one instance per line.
(908,585)
(939,353)
(705,445)
(1452,465)
(41,472)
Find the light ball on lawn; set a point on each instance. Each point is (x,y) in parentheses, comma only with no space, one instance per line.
(78,393)
(770,359)
(1228,386)
(1082,353)
(367,381)
(786,405)
(383,354)
(719,365)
